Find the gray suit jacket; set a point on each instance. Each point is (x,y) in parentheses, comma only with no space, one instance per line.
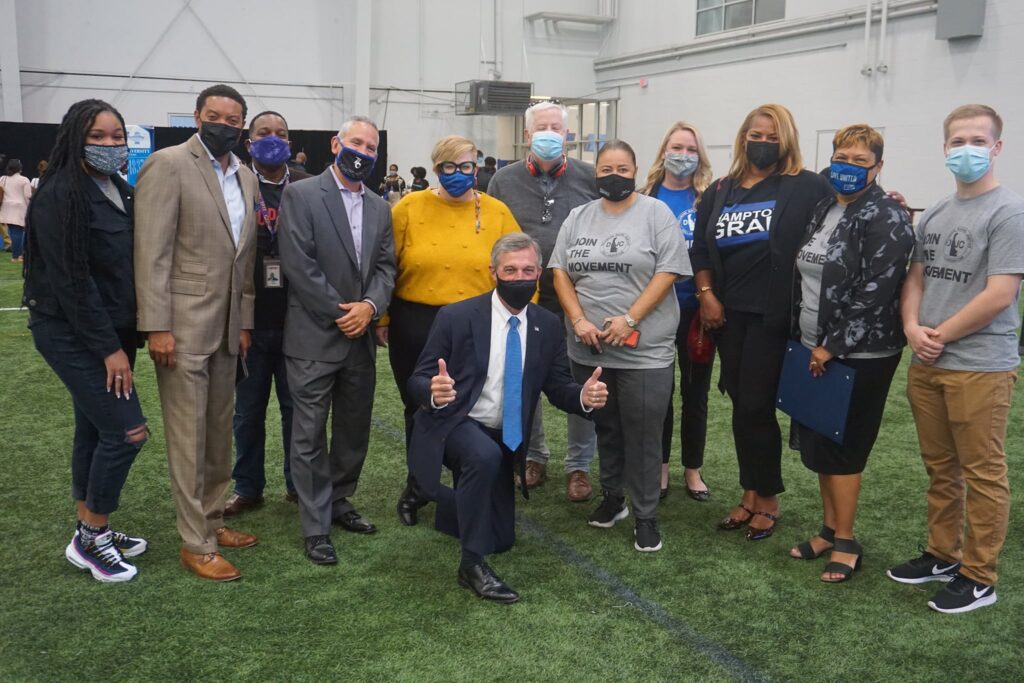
(318,258)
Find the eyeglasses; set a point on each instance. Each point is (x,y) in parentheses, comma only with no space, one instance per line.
(466,167)
(545,216)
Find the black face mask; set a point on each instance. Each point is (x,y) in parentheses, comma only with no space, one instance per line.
(762,154)
(516,293)
(219,138)
(615,188)
(354,165)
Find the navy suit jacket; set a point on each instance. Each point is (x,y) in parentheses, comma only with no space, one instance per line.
(461,335)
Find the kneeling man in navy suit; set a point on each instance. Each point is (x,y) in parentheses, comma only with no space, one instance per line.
(477,381)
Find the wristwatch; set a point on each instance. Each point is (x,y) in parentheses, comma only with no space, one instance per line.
(701,290)
(629,320)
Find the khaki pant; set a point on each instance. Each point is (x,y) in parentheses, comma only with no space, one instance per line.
(961,426)
(197,401)
(6,235)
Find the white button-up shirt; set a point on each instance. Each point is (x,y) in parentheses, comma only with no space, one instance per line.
(231,188)
(354,210)
(489,406)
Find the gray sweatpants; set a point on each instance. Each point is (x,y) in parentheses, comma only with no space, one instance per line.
(629,431)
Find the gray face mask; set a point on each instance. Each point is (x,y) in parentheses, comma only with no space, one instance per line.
(107,159)
(681,165)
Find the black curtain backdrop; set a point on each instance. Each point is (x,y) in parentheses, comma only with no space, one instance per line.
(32,142)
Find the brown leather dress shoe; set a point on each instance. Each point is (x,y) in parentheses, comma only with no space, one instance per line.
(229,538)
(578,486)
(535,474)
(210,566)
(238,504)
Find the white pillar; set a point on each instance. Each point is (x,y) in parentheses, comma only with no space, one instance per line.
(9,62)
(363,38)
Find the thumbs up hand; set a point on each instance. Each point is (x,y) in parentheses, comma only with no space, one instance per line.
(595,392)
(442,386)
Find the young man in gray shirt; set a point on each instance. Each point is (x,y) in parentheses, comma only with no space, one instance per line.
(540,191)
(960,315)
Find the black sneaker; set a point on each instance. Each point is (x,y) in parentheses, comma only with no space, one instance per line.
(130,546)
(611,510)
(648,540)
(962,595)
(924,569)
(102,558)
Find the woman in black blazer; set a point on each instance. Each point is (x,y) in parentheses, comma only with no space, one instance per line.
(748,231)
(80,292)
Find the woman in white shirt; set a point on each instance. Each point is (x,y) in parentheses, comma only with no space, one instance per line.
(17,192)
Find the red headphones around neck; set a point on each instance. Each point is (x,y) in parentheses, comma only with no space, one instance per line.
(534,171)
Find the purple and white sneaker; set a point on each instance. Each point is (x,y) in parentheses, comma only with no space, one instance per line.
(103,559)
(130,546)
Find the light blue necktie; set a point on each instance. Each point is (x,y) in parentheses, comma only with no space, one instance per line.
(512,417)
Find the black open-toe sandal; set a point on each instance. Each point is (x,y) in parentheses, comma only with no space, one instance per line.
(807,550)
(754,534)
(730,522)
(844,545)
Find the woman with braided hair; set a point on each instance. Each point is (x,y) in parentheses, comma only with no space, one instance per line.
(80,292)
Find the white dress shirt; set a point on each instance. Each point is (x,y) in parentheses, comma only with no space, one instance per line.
(231,188)
(354,210)
(488,408)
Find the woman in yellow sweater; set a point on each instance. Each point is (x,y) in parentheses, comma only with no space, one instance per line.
(443,240)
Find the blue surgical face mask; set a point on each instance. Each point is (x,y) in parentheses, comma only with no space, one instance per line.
(848,178)
(969,162)
(458,183)
(547,145)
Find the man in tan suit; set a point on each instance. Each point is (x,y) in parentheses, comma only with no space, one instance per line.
(195,245)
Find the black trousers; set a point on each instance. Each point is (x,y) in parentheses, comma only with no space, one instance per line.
(407,335)
(751,356)
(481,509)
(694,384)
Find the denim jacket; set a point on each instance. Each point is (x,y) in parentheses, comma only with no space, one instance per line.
(865,265)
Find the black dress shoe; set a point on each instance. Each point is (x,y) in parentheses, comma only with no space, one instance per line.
(408,504)
(320,551)
(356,523)
(482,580)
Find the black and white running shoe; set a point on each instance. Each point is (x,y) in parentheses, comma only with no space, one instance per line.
(648,539)
(102,558)
(962,595)
(612,509)
(924,569)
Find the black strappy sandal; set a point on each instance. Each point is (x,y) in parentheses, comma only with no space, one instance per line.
(754,534)
(844,545)
(730,523)
(806,550)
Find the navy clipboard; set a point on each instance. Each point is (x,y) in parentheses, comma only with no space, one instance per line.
(818,403)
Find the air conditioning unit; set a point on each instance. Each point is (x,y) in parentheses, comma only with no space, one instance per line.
(474,98)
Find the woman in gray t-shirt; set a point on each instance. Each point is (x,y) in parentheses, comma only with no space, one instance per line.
(615,262)
(849,271)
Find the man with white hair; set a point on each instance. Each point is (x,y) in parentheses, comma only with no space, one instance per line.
(540,191)
(338,255)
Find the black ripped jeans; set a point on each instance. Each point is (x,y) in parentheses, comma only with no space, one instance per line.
(102,452)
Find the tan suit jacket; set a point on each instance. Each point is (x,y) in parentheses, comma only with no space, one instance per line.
(190,278)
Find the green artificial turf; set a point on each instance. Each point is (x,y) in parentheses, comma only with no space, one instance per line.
(709,606)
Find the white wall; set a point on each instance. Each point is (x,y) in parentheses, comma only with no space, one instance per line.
(821,83)
(88,49)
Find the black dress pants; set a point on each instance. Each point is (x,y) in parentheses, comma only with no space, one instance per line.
(752,356)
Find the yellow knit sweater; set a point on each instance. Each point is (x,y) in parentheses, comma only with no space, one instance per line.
(441,256)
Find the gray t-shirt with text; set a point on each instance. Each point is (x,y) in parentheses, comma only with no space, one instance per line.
(962,242)
(611,259)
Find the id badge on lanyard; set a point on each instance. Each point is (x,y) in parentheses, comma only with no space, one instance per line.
(272,276)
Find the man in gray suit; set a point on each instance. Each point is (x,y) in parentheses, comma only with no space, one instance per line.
(337,253)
